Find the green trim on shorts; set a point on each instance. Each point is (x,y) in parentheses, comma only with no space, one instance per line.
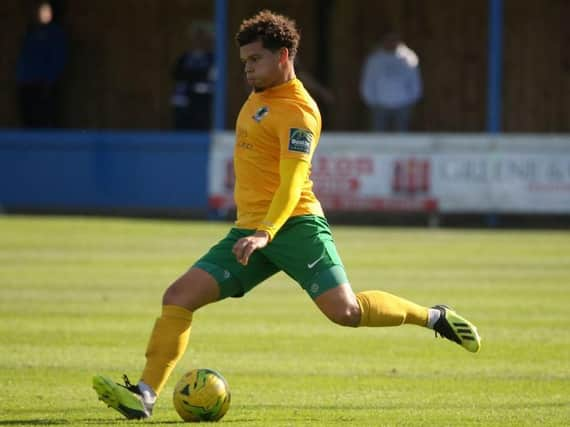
(303,248)
(229,285)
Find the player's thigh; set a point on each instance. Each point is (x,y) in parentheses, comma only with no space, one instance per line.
(232,278)
(305,249)
(194,289)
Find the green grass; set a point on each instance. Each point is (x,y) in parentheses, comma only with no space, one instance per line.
(79,296)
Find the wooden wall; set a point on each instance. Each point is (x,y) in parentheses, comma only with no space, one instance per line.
(122,52)
(537,66)
(12,23)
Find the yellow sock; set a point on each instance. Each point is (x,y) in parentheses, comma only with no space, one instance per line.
(383,309)
(167,344)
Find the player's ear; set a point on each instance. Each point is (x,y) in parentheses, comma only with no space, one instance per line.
(283,55)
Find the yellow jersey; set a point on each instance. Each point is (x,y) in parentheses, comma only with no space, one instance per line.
(282,122)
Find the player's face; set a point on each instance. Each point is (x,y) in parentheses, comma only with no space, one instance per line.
(263,68)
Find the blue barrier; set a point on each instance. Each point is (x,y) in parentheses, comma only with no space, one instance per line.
(92,170)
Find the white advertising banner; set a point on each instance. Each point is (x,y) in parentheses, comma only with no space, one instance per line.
(427,173)
(503,182)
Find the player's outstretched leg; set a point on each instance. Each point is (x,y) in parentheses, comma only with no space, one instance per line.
(378,308)
(127,399)
(456,328)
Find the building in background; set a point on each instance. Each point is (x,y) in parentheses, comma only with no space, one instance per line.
(119,76)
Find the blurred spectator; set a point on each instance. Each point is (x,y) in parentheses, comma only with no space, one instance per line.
(40,67)
(391,84)
(194,80)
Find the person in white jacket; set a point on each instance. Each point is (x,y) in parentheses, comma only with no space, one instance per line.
(391,84)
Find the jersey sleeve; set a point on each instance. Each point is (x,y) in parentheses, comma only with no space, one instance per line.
(293,173)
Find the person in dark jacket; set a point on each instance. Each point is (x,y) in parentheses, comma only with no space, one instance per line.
(194,77)
(40,68)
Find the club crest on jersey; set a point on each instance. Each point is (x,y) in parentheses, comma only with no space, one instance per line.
(260,114)
(300,140)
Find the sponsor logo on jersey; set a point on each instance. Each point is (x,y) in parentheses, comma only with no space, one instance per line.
(300,140)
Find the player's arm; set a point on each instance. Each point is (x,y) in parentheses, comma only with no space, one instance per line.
(292,173)
(297,140)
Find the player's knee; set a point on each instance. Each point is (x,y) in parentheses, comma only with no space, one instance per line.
(345,315)
(180,293)
(173,295)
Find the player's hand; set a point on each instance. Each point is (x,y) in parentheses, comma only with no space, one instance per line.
(245,246)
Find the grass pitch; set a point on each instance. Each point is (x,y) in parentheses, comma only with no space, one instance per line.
(79,296)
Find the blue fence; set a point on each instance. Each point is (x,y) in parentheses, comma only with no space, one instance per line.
(104,171)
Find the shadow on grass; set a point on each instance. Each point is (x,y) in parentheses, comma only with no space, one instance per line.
(123,421)
(34,422)
(49,422)
(113,421)
(53,422)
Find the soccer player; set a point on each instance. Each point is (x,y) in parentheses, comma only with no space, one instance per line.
(280,226)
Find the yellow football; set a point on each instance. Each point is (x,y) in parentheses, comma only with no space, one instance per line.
(202,395)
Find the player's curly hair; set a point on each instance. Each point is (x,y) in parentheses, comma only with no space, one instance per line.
(273,30)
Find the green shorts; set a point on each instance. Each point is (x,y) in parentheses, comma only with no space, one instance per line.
(303,248)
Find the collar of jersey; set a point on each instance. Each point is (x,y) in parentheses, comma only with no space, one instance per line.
(283,87)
